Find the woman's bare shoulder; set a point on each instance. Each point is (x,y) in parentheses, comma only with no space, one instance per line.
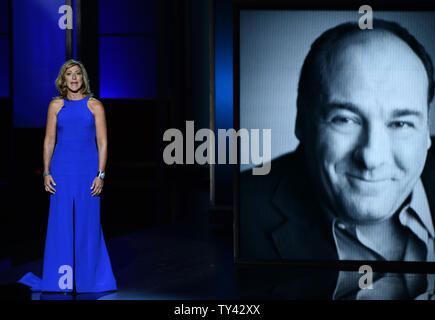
(95,104)
(94,101)
(55,105)
(56,102)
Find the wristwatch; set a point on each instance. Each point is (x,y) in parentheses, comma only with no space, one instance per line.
(101,174)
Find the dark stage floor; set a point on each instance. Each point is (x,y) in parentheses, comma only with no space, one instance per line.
(170,264)
(160,263)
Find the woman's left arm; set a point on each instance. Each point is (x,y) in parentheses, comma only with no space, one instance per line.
(101,131)
(101,134)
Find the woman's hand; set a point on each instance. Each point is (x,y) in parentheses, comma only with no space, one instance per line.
(49,184)
(97,186)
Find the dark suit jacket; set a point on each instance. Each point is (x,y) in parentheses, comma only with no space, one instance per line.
(280,217)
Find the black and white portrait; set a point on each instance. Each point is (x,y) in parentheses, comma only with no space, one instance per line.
(353,169)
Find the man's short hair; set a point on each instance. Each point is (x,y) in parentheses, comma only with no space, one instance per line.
(310,89)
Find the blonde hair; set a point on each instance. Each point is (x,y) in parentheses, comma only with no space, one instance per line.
(61,83)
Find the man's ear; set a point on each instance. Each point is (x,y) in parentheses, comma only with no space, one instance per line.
(299,125)
(429,140)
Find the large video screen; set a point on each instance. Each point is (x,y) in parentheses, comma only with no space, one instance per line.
(345,99)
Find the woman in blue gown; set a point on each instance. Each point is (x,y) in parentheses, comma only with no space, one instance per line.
(75,154)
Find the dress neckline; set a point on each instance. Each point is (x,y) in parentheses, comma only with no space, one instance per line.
(75,100)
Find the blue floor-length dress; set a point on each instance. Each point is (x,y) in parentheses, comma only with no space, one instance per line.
(74,234)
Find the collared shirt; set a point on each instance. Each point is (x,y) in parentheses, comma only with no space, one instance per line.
(412,228)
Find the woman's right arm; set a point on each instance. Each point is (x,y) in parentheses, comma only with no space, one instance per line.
(50,141)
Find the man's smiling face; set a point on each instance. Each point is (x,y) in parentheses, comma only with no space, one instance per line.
(367,142)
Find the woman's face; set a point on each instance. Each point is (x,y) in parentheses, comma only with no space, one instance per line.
(74,78)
